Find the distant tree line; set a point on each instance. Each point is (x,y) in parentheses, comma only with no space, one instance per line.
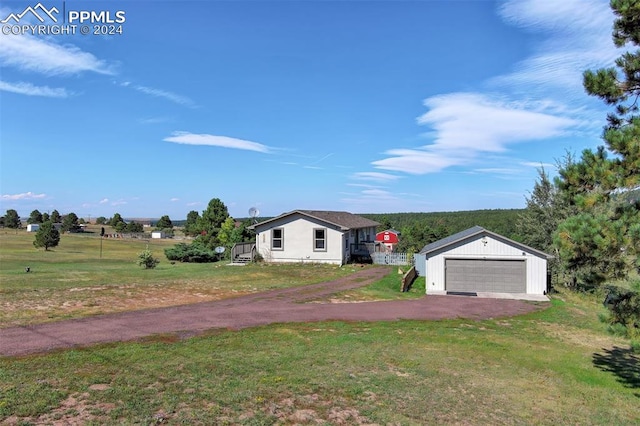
(48,234)
(419,229)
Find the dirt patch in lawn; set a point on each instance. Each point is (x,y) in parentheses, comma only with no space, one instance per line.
(87,301)
(261,308)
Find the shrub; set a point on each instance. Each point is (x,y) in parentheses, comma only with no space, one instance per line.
(146,259)
(191,253)
(624,307)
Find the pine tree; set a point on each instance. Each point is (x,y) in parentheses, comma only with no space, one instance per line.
(191,225)
(55,217)
(35,217)
(603,240)
(70,223)
(47,236)
(12,219)
(164,223)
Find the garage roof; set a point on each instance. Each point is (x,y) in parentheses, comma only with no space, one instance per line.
(472,233)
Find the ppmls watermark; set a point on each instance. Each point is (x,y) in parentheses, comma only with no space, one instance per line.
(60,21)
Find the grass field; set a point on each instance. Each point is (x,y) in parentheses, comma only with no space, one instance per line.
(72,280)
(556,366)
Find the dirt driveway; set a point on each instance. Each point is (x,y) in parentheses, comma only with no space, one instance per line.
(277,306)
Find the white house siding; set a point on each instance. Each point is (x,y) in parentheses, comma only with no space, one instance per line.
(536,267)
(298,241)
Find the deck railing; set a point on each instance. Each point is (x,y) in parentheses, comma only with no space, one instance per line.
(392,258)
(245,250)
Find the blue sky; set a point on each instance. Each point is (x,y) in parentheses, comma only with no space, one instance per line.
(363,106)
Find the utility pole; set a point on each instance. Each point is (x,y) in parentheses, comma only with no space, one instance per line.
(101,238)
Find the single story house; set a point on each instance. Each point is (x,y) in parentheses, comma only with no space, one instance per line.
(477,260)
(387,240)
(315,236)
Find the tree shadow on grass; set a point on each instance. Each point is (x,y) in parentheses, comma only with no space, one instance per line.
(622,362)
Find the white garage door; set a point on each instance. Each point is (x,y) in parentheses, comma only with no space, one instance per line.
(481,275)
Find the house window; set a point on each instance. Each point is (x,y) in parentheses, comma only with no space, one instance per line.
(277,239)
(319,240)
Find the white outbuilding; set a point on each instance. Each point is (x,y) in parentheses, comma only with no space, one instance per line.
(33,227)
(158,234)
(480,261)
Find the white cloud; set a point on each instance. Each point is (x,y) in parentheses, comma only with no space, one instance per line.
(29,89)
(528,104)
(364,185)
(417,161)
(155,120)
(498,171)
(173,200)
(378,194)
(578,37)
(104,201)
(23,196)
(479,123)
(213,140)
(467,124)
(375,176)
(159,93)
(568,16)
(538,165)
(32,54)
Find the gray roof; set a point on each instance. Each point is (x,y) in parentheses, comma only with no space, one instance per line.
(393,231)
(343,220)
(473,232)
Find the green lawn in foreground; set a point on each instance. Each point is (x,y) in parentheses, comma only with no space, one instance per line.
(557,366)
(551,367)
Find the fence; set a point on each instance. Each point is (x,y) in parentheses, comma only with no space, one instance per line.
(392,258)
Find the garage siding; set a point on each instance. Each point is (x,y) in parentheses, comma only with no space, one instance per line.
(483,275)
(486,247)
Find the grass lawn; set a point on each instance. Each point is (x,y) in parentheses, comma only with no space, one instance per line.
(72,280)
(557,366)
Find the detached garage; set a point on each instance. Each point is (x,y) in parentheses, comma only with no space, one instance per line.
(481,261)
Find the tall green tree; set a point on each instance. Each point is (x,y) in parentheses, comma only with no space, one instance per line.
(133,227)
(35,217)
(12,219)
(232,233)
(620,87)
(47,236)
(70,223)
(210,223)
(603,240)
(214,216)
(45,217)
(116,220)
(55,217)
(547,207)
(164,223)
(191,225)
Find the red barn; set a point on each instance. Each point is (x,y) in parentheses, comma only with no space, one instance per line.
(387,240)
